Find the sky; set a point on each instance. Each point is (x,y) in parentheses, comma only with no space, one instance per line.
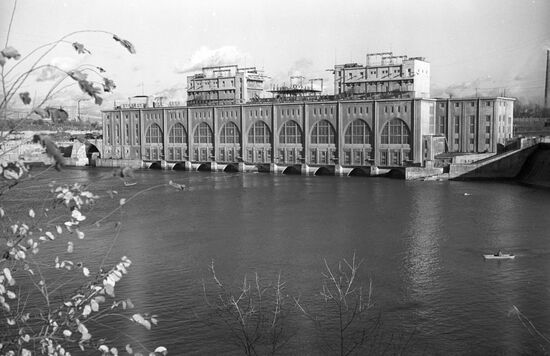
(491,47)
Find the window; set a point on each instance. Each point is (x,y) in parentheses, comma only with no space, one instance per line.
(457,124)
(259,133)
(395,132)
(153,134)
(230,133)
(457,105)
(203,134)
(488,118)
(472,124)
(322,133)
(441,125)
(488,103)
(177,134)
(290,133)
(358,132)
(472,104)
(488,129)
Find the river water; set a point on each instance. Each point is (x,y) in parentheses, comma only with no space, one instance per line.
(421,244)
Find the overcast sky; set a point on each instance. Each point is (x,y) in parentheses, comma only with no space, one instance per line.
(484,44)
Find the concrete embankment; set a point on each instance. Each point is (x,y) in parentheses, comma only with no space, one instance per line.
(536,170)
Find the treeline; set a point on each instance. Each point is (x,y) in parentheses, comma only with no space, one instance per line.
(530,110)
(46,125)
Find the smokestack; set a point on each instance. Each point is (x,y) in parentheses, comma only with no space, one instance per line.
(547,82)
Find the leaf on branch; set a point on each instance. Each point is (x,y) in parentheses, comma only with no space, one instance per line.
(10,52)
(2,213)
(25,97)
(110,290)
(13,170)
(31,213)
(86,271)
(140,320)
(70,247)
(79,234)
(88,88)
(101,70)
(79,47)
(2,59)
(77,75)
(51,149)
(161,350)
(129,349)
(108,85)
(125,43)
(67,333)
(87,310)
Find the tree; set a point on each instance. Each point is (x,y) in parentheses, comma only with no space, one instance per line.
(255,317)
(72,306)
(345,324)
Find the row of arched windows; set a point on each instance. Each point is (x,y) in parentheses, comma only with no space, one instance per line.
(358,132)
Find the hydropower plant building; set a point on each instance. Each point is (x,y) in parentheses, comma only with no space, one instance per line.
(342,132)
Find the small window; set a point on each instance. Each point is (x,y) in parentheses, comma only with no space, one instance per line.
(457,105)
(472,104)
(488,103)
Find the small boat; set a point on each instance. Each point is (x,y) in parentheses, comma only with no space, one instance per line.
(129,184)
(502,256)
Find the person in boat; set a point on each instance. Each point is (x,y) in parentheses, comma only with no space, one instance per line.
(499,253)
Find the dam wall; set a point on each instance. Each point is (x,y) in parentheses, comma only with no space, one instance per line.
(536,170)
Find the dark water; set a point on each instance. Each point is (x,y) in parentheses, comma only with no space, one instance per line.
(421,243)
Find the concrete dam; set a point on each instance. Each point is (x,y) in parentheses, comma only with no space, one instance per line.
(536,169)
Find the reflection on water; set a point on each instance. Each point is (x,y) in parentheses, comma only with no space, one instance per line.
(421,243)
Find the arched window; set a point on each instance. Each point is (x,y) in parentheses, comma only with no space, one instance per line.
(259,133)
(177,134)
(153,134)
(322,132)
(290,133)
(230,133)
(358,132)
(395,132)
(203,134)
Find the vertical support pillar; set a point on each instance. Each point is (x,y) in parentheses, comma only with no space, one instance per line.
(339,139)
(190,143)
(307,130)
(376,131)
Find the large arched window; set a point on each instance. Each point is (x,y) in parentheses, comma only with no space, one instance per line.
(259,133)
(290,133)
(203,134)
(395,132)
(322,133)
(230,133)
(177,134)
(358,132)
(153,134)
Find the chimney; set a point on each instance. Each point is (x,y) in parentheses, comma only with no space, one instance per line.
(547,82)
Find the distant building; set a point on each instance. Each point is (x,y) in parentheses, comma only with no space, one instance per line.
(383,76)
(222,85)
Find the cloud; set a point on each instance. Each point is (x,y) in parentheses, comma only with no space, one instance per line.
(300,67)
(64,63)
(178,92)
(483,86)
(206,57)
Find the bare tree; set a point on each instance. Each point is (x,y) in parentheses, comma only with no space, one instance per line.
(255,316)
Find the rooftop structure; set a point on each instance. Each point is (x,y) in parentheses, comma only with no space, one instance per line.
(221,85)
(383,76)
